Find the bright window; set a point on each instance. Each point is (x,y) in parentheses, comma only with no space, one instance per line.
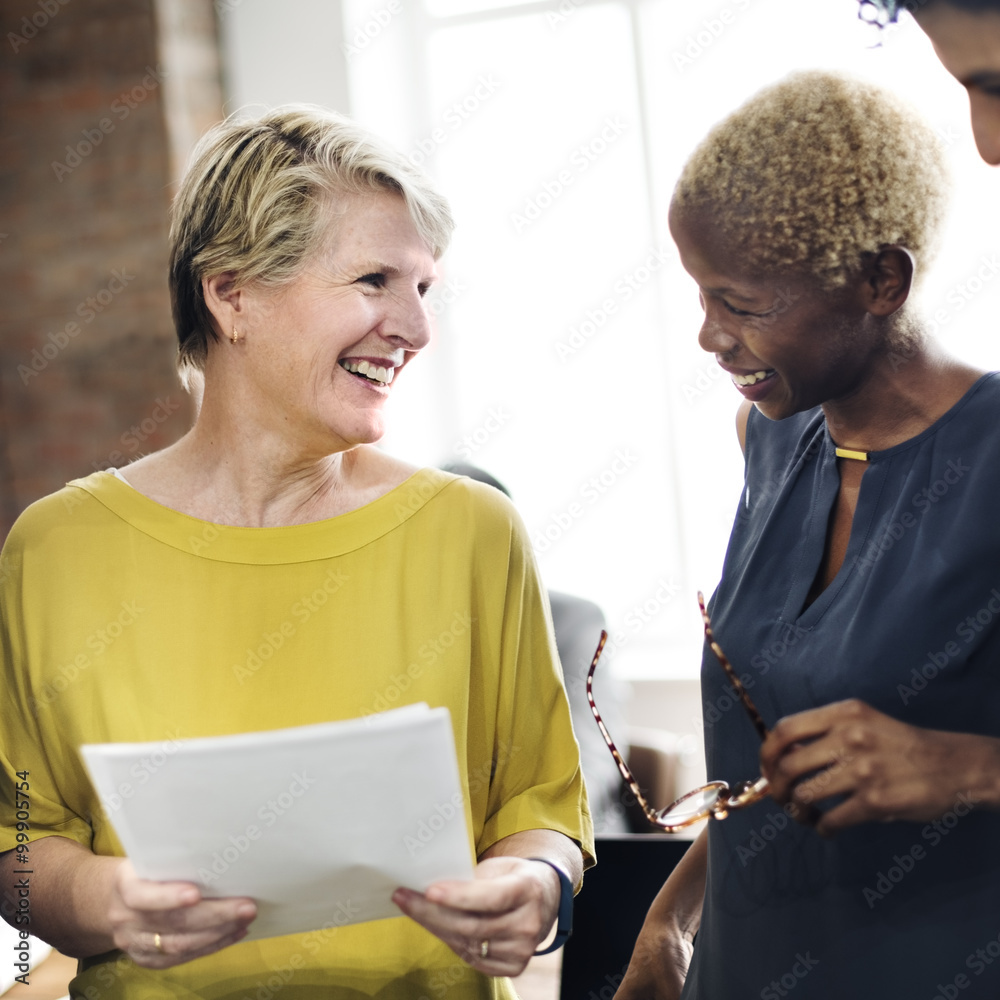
(566,362)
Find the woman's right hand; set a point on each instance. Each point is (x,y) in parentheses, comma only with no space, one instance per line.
(188,925)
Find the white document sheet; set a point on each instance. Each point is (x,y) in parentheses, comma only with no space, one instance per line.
(319,824)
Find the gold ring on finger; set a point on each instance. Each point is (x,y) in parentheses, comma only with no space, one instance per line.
(158,943)
(484,948)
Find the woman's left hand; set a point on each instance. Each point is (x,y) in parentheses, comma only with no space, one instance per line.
(511,905)
(883,769)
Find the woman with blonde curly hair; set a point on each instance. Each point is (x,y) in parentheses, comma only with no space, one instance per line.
(858,597)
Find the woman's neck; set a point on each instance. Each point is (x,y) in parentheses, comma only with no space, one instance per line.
(906,390)
(250,478)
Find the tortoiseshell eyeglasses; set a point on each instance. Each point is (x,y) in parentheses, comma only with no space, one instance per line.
(715,799)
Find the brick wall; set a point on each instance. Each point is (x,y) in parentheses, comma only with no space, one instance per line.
(95,98)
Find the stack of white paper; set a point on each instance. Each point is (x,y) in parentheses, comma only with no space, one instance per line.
(319,824)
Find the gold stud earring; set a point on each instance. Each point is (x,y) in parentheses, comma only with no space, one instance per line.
(234,336)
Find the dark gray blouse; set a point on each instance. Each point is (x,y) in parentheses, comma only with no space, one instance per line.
(911,625)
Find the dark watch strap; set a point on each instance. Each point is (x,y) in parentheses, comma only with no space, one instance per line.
(564,921)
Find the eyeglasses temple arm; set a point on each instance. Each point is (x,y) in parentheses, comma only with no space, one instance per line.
(737,684)
(623,768)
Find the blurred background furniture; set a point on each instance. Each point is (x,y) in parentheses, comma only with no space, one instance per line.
(609,913)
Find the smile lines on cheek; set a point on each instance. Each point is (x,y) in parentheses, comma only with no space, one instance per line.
(374,373)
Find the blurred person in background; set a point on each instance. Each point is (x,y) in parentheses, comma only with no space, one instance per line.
(966,37)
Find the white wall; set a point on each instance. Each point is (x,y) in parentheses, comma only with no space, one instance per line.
(283,52)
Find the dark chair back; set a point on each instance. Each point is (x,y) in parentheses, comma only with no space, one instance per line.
(609,912)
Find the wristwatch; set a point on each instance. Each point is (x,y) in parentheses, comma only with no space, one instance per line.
(564,921)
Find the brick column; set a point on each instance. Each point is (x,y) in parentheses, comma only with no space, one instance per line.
(96,99)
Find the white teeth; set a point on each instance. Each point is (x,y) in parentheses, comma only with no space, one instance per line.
(751,379)
(377,373)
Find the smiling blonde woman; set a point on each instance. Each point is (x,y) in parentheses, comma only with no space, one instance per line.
(302,249)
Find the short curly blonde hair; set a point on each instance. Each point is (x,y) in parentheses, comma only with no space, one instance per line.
(254,201)
(816,172)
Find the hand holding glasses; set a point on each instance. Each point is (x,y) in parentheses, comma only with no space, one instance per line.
(716,798)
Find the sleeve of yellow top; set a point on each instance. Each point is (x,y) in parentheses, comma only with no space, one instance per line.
(538,783)
(22,734)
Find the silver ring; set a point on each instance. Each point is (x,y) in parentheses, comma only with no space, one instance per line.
(484,949)
(158,943)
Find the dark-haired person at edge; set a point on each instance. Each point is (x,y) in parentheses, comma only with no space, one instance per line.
(301,251)
(966,37)
(860,593)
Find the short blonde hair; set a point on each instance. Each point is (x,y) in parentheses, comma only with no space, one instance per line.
(813,174)
(251,203)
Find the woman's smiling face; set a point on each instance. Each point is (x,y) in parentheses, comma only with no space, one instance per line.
(787,345)
(320,354)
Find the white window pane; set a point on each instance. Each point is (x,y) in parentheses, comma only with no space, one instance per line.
(450,8)
(498,109)
(557,329)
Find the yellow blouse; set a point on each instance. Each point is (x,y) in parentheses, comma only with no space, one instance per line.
(123,620)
